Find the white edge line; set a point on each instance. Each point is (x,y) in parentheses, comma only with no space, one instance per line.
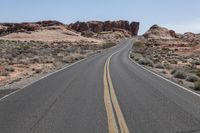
(53,73)
(163,77)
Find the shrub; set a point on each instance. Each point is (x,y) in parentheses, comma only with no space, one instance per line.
(173,71)
(10,69)
(166,65)
(159,66)
(132,55)
(180,82)
(108,45)
(24,48)
(24,61)
(139,47)
(38,70)
(4,73)
(173,62)
(15,80)
(197,86)
(49,61)
(191,78)
(197,63)
(68,59)
(136,56)
(35,60)
(164,72)
(179,74)
(198,73)
(138,44)
(77,56)
(146,62)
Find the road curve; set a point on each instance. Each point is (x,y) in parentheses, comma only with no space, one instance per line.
(105,93)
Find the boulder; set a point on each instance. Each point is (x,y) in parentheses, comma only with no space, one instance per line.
(173,33)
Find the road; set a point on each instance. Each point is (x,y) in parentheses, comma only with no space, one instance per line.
(106,92)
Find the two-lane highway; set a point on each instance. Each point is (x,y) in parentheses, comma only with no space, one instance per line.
(105,93)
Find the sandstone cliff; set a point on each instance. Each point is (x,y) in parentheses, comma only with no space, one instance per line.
(99,26)
(56,31)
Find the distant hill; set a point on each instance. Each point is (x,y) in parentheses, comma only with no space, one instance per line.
(92,31)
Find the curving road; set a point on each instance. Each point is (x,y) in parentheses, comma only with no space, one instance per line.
(106,92)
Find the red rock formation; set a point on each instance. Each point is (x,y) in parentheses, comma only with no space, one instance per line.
(134,28)
(86,28)
(49,23)
(95,26)
(24,27)
(79,26)
(158,32)
(98,26)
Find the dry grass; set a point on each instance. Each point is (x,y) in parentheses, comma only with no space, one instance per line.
(108,45)
(183,69)
(24,59)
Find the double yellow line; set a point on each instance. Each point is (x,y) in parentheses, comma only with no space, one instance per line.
(116,121)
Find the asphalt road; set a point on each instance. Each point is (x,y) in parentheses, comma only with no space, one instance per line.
(105,93)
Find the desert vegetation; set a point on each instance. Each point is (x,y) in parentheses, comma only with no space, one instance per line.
(22,59)
(183,69)
(108,44)
(35,48)
(175,56)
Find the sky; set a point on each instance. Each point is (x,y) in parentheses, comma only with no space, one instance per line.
(179,15)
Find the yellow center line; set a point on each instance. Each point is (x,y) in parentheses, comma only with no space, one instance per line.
(112,104)
(112,124)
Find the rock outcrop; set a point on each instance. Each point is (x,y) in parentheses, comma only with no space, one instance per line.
(99,26)
(43,30)
(7,28)
(157,32)
(167,53)
(185,44)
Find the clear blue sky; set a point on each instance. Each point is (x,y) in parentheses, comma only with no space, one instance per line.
(180,15)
